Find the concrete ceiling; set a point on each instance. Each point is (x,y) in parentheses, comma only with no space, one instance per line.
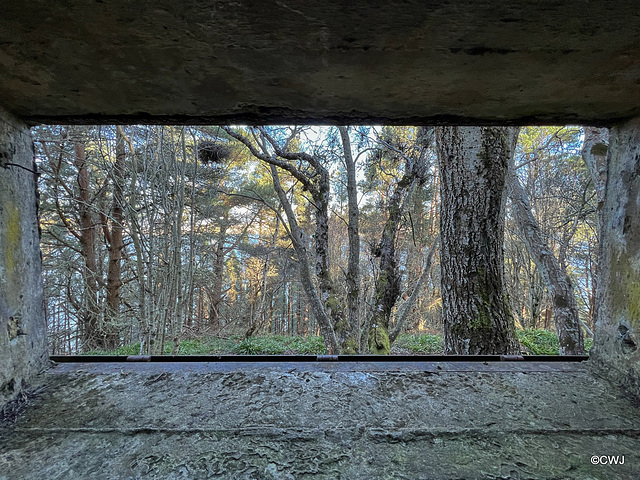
(270,61)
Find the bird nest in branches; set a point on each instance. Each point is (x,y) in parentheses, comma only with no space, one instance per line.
(213,153)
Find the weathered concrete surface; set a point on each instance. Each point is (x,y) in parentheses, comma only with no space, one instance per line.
(23,344)
(322,421)
(467,61)
(616,348)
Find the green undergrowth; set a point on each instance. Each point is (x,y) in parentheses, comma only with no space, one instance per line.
(421,344)
(235,345)
(543,342)
(280,345)
(534,342)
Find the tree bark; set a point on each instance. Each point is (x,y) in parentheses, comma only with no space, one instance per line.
(476,315)
(565,309)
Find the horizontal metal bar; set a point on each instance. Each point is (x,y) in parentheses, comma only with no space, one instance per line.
(316,358)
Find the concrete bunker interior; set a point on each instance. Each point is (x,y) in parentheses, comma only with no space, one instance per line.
(441,63)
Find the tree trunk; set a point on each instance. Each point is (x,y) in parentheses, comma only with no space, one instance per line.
(91,335)
(333,306)
(216,294)
(296,235)
(388,284)
(351,341)
(565,309)
(476,315)
(115,244)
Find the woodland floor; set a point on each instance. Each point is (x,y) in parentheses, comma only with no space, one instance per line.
(352,420)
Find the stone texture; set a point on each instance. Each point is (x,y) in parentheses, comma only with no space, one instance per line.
(618,328)
(468,62)
(23,344)
(303,421)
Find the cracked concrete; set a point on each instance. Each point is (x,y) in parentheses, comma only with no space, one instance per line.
(303,421)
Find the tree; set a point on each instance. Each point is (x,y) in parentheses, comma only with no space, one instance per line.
(87,237)
(388,285)
(476,314)
(278,151)
(115,241)
(353,229)
(558,283)
(594,153)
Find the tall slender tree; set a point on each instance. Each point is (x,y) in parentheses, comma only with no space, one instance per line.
(558,283)
(115,242)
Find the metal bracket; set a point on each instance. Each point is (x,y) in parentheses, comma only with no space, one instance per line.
(511,358)
(139,358)
(327,358)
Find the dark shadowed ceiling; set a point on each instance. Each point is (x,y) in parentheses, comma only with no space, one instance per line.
(412,61)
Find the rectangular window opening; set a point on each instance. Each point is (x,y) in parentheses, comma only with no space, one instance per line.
(167,243)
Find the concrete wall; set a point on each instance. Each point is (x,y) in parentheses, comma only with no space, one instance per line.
(23,343)
(616,350)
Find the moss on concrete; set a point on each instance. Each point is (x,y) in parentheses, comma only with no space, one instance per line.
(634,303)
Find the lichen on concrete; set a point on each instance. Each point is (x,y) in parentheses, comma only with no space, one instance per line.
(23,347)
(617,334)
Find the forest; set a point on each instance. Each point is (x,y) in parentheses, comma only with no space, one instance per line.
(318,239)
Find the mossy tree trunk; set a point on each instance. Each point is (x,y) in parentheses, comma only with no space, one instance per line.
(388,284)
(476,315)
